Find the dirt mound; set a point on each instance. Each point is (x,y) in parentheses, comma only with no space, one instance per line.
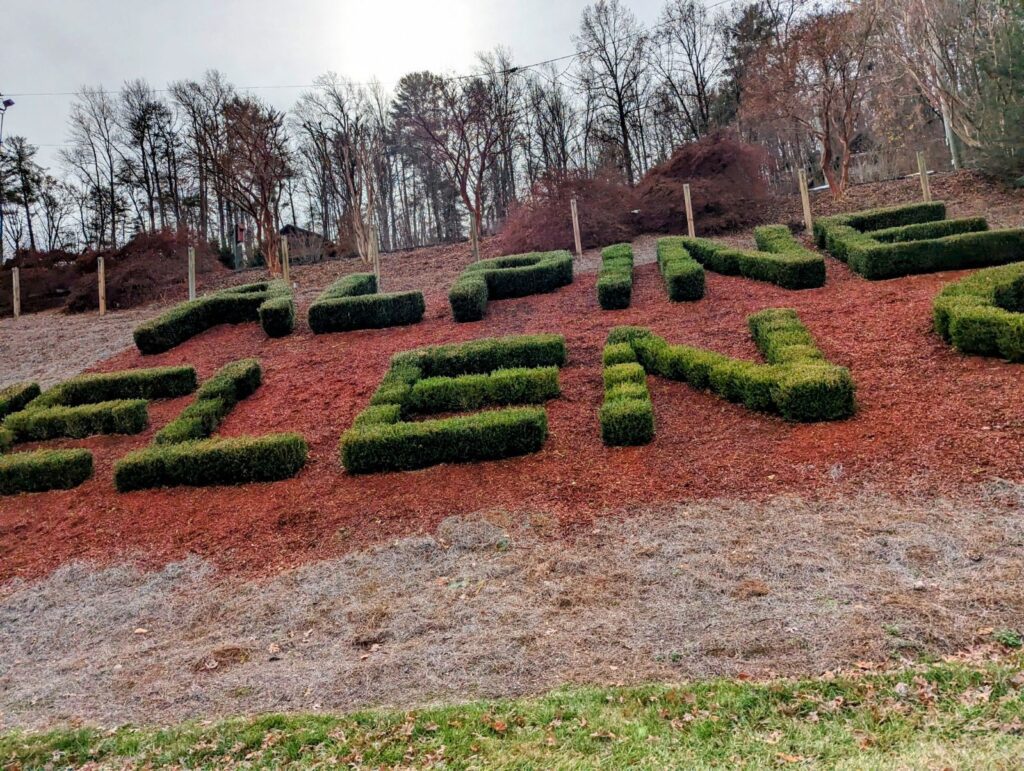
(149,267)
(544,220)
(725,181)
(144,270)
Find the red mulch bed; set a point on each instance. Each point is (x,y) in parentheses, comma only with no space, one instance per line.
(929,419)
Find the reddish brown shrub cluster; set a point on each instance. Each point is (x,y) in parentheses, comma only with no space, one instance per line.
(544,221)
(145,269)
(726,186)
(725,180)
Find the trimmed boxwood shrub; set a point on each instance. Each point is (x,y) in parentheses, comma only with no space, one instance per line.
(627,415)
(217,461)
(464,439)
(615,281)
(480,356)
(851,238)
(269,302)
(42,470)
(781,259)
(104,403)
(472,392)
(277,316)
(925,230)
(797,382)
(125,416)
(183,453)
(214,400)
(6,440)
(507,277)
(153,383)
(14,398)
(683,275)
(449,378)
(984,313)
(352,302)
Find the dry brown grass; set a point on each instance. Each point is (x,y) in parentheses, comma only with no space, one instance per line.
(496,607)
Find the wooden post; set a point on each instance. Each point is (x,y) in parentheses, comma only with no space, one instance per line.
(101,280)
(805,197)
(576,228)
(375,255)
(922,168)
(690,227)
(16,291)
(191,273)
(285,262)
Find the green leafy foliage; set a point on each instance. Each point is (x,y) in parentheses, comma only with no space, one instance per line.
(123,416)
(508,277)
(983,314)
(352,302)
(217,461)
(450,378)
(463,439)
(908,244)
(615,281)
(153,383)
(926,230)
(269,302)
(472,392)
(42,470)
(15,397)
(214,400)
(682,274)
(627,415)
(780,259)
(105,403)
(947,714)
(797,382)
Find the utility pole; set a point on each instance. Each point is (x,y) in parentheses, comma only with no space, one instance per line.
(7,103)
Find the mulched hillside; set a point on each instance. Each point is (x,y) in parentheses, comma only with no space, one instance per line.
(929,420)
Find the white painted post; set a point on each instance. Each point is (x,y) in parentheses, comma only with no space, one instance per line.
(805,197)
(690,227)
(16,291)
(576,228)
(101,280)
(191,273)
(285,261)
(922,168)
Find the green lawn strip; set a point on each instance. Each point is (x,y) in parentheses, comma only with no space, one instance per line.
(929,716)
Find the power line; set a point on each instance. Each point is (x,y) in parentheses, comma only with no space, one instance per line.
(448,79)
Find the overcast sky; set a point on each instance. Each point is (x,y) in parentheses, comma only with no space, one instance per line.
(61,45)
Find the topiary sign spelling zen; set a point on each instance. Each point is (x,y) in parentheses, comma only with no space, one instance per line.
(457,378)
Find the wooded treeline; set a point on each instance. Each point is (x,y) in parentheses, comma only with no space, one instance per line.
(441,157)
